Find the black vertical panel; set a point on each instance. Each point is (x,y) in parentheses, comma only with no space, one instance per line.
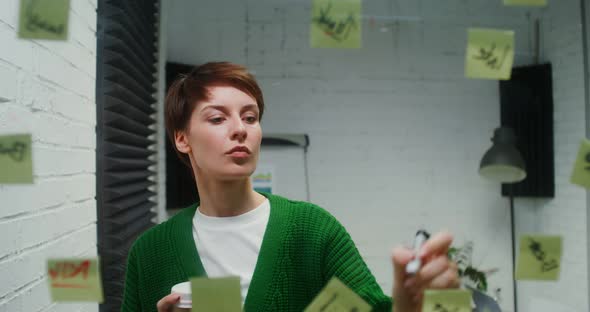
(181,189)
(125,85)
(526,102)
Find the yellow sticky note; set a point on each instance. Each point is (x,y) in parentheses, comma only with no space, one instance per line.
(490,53)
(454,300)
(216,294)
(44,19)
(337,297)
(581,172)
(16,162)
(526,2)
(539,257)
(73,280)
(336,24)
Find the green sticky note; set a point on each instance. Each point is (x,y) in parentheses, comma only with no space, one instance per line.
(337,297)
(72,280)
(490,53)
(581,172)
(16,162)
(336,24)
(216,294)
(452,300)
(44,19)
(526,2)
(539,257)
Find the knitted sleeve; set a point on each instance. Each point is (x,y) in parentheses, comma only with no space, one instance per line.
(343,260)
(131,300)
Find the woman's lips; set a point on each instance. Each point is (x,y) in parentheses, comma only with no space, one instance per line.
(238,154)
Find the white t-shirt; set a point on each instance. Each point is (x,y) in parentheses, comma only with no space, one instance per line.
(229,246)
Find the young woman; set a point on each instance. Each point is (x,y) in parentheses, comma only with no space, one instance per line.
(284,251)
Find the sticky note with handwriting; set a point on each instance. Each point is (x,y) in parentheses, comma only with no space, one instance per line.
(336,296)
(581,172)
(16,163)
(44,19)
(336,24)
(72,279)
(449,300)
(539,257)
(526,2)
(490,53)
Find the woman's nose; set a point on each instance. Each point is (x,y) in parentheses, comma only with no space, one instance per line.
(239,131)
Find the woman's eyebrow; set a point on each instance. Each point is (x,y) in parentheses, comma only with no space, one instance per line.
(250,107)
(224,108)
(217,107)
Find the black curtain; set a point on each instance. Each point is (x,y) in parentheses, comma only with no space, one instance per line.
(125,88)
(181,190)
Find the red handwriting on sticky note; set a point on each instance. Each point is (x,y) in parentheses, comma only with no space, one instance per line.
(67,274)
(74,280)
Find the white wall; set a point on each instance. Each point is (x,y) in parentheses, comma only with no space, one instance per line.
(50,88)
(161,137)
(396,130)
(565,214)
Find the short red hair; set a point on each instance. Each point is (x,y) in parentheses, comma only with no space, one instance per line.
(184,94)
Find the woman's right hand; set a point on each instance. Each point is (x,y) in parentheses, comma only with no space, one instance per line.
(165,304)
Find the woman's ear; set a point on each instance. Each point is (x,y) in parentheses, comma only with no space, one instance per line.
(181,142)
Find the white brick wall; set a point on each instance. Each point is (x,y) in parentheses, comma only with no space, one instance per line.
(49,87)
(565,214)
(161,136)
(396,131)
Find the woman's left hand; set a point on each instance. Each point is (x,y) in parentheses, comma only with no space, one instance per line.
(436,272)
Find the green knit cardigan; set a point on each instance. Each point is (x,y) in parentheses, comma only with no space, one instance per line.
(302,248)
